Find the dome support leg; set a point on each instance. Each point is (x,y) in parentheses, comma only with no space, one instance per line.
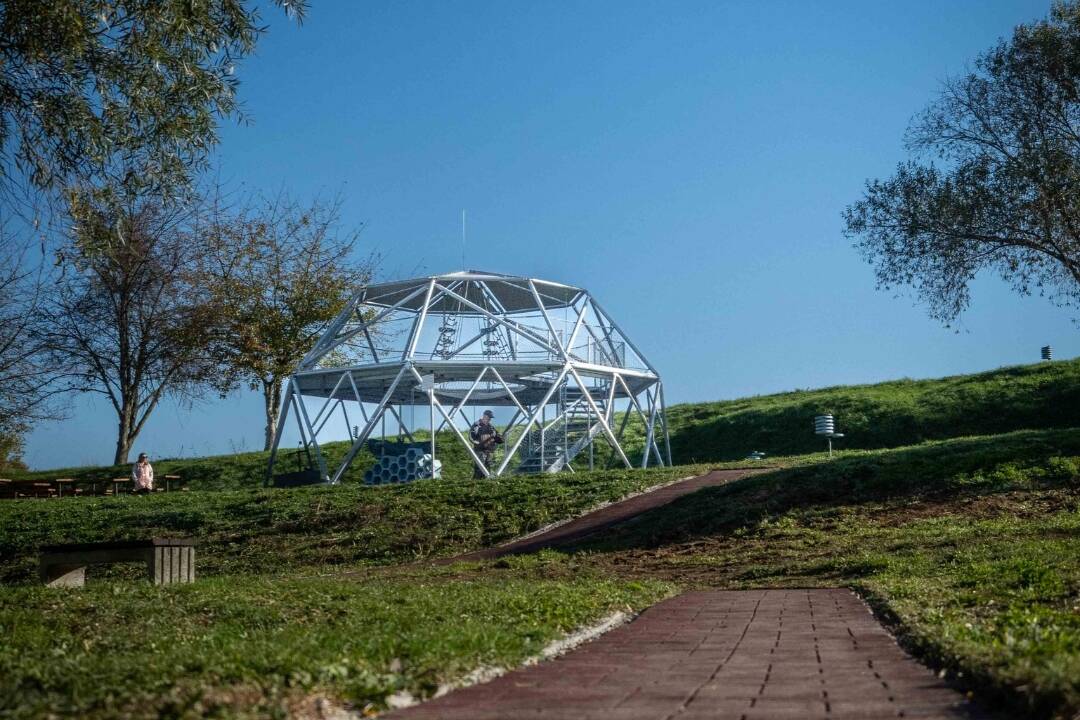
(600,416)
(369,426)
(468,446)
(302,414)
(532,419)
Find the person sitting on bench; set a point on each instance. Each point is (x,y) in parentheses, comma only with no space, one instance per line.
(142,475)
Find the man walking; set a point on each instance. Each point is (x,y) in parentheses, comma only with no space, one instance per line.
(484,437)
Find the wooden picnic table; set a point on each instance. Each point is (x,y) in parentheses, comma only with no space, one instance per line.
(61,482)
(20,488)
(59,487)
(43,487)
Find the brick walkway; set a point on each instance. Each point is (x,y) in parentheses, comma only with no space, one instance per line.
(734,655)
(607,516)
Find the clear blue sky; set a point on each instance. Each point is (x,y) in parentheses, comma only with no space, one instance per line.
(687,162)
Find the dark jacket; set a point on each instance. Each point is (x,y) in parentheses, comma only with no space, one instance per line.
(484,437)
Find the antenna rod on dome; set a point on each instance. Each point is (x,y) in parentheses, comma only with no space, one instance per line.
(463,239)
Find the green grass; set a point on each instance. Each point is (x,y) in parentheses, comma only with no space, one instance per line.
(248,470)
(967,546)
(970,547)
(890,414)
(276,531)
(260,647)
(953,507)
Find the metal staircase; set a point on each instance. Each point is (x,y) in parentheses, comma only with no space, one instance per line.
(554,446)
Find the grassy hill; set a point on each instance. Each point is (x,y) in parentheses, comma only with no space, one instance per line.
(248,470)
(967,546)
(309,529)
(953,507)
(889,414)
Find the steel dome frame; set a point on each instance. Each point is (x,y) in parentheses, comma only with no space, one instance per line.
(384,349)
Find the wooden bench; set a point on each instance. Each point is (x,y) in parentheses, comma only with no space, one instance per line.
(168,560)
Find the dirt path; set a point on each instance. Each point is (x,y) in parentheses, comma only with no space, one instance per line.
(734,655)
(608,516)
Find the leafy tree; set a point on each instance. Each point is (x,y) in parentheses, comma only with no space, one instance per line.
(104,86)
(11,446)
(1004,192)
(134,320)
(284,270)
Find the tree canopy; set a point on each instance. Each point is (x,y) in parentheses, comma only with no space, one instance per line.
(994,178)
(126,88)
(284,269)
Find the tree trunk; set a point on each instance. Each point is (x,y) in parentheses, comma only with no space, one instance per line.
(272,401)
(124,438)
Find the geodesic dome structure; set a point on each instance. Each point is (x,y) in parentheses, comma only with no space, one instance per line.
(546,354)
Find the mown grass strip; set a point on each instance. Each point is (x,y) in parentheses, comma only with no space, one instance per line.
(275,531)
(258,646)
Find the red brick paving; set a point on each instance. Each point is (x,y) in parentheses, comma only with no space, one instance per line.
(607,516)
(731,655)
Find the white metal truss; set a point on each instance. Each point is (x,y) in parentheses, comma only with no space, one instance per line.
(547,353)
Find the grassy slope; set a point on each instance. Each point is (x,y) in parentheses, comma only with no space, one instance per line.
(248,470)
(274,531)
(969,545)
(891,414)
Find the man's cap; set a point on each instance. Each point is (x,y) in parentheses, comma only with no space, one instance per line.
(142,455)
(488,413)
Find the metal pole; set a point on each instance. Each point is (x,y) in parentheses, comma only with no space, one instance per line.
(532,419)
(547,320)
(311,430)
(603,422)
(663,419)
(322,348)
(543,441)
(626,338)
(650,442)
(381,415)
(431,409)
(459,408)
(418,326)
(468,446)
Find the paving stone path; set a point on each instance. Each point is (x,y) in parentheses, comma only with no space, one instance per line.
(732,655)
(608,516)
